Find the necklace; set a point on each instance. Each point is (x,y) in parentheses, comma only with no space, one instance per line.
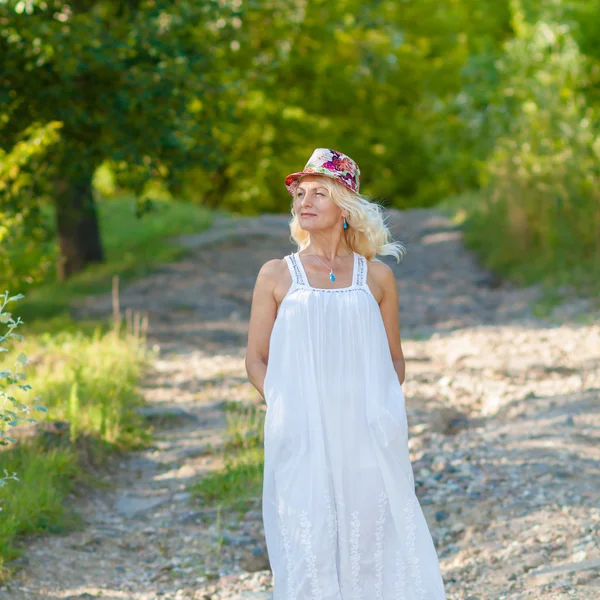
(331,274)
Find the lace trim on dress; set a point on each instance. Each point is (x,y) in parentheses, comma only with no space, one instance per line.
(360,271)
(297,272)
(300,276)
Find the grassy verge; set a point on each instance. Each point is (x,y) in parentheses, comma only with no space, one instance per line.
(238,486)
(563,266)
(132,248)
(88,383)
(86,377)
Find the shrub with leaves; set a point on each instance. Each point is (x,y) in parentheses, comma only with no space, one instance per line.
(12,410)
(540,199)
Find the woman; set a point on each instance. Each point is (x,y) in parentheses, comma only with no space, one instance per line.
(339,508)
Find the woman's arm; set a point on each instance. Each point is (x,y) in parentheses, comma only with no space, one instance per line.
(262,316)
(388,304)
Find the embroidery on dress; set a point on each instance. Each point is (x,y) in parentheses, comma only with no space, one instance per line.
(330,516)
(341,515)
(291,594)
(311,559)
(413,559)
(400,576)
(382,505)
(355,554)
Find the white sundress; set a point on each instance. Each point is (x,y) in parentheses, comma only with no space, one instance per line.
(340,514)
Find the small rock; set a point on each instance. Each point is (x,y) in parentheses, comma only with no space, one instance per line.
(133,505)
(182,497)
(457,527)
(165,412)
(237,540)
(18,563)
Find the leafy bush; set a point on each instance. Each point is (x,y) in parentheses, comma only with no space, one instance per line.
(12,410)
(539,210)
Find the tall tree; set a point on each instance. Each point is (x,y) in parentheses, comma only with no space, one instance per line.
(125,81)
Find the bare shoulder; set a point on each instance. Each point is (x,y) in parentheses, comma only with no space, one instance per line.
(381,280)
(272,274)
(274,279)
(382,273)
(272,269)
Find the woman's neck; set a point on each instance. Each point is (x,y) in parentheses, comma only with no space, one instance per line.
(329,252)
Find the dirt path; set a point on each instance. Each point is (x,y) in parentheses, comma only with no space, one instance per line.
(504,418)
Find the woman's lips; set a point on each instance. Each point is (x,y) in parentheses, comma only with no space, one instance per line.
(308,215)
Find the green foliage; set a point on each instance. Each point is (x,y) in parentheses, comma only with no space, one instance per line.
(23,185)
(119,78)
(218,101)
(348,75)
(541,182)
(13,410)
(84,84)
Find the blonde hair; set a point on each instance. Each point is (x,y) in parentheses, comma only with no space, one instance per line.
(367,233)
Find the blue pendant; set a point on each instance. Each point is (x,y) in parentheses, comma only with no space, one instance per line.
(332,276)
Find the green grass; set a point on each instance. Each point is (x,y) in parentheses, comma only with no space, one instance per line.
(561,267)
(90,382)
(84,374)
(35,503)
(238,485)
(133,247)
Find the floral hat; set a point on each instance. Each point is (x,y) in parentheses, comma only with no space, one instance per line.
(331,164)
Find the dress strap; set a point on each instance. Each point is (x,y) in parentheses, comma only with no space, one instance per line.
(295,270)
(360,278)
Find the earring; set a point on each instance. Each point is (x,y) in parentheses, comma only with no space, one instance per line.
(345,224)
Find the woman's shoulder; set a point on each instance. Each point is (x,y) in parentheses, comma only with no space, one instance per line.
(378,266)
(380,271)
(273,268)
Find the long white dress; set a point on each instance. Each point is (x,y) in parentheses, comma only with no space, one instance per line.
(340,514)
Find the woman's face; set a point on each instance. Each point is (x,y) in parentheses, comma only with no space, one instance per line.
(314,206)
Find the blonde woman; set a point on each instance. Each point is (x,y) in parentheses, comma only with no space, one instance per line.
(340,513)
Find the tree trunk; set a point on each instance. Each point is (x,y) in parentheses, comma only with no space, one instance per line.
(77,226)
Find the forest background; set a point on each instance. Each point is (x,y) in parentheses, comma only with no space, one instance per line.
(490,103)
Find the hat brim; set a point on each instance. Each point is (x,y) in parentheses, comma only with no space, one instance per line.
(292,178)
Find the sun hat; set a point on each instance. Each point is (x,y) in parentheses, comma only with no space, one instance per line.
(330,163)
